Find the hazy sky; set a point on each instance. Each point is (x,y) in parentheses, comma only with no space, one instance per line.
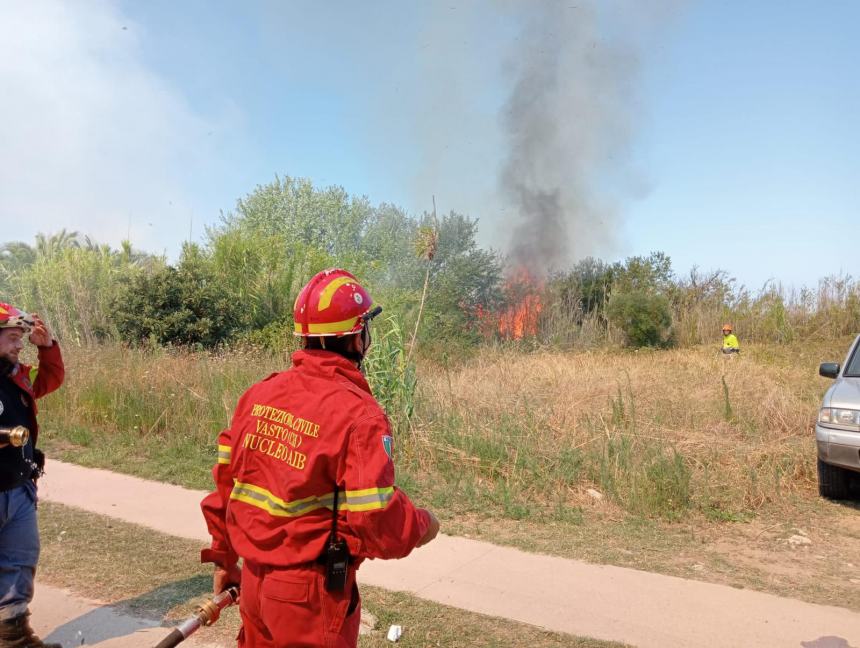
(726,134)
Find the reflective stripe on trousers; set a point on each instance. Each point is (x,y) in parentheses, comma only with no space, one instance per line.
(19,549)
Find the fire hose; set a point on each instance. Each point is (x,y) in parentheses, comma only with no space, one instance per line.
(205,615)
(15,436)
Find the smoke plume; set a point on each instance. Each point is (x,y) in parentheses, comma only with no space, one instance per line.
(568,123)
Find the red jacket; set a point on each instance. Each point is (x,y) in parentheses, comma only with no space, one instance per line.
(40,380)
(293,437)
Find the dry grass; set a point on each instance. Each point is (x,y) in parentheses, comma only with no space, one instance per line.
(507,434)
(724,436)
(155,413)
(695,485)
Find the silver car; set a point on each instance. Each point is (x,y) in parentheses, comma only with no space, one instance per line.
(838,429)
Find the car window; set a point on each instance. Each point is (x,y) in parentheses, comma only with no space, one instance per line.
(853,368)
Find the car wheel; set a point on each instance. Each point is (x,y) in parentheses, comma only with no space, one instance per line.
(833,482)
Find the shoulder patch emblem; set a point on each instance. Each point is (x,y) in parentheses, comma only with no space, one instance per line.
(1,407)
(388,444)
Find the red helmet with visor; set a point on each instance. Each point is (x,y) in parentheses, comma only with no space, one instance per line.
(332,303)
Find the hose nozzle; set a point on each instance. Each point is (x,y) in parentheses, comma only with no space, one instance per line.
(16,436)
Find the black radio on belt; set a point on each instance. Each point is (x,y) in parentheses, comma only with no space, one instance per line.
(336,556)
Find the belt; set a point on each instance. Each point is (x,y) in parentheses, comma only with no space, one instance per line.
(263,568)
(7,486)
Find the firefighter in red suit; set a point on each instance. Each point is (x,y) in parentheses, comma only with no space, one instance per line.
(303,444)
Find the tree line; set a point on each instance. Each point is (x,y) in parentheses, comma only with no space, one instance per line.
(237,286)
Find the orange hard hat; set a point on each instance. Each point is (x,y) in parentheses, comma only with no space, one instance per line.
(727,327)
(332,303)
(11,317)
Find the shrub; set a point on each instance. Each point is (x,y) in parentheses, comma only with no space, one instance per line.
(645,320)
(182,306)
(276,337)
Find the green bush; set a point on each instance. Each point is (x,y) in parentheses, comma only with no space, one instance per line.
(184,306)
(276,337)
(645,320)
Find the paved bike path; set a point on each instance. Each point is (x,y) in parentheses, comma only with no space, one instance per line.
(606,602)
(61,617)
(70,620)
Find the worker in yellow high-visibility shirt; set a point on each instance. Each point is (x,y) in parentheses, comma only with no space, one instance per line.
(730,340)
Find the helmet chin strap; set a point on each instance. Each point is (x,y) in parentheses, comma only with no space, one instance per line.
(355,356)
(367,318)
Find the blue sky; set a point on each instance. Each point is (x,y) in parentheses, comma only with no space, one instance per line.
(753,142)
(739,122)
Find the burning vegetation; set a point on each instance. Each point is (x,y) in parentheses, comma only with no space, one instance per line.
(519,315)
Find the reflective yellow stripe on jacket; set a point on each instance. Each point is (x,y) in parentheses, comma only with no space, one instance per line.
(224,453)
(368,499)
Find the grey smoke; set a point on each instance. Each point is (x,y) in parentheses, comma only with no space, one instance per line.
(568,123)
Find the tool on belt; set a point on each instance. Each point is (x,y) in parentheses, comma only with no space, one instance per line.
(336,556)
(15,436)
(205,615)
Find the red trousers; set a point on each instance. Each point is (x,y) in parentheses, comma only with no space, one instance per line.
(290,608)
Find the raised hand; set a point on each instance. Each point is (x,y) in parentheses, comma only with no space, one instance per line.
(40,335)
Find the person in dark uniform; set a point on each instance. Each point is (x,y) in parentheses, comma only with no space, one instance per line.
(20,386)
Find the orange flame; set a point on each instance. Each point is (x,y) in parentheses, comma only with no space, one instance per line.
(519,319)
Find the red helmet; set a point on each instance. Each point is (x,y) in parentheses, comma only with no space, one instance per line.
(11,317)
(332,303)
